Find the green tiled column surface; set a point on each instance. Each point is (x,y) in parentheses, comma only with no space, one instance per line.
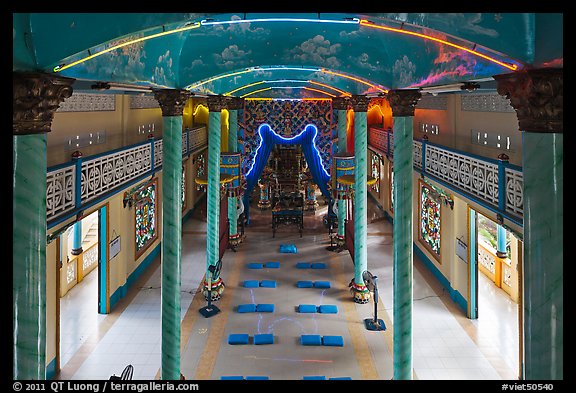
(233,147)
(402,250)
(213,192)
(360,196)
(29,256)
(171,245)
(341,149)
(543,157)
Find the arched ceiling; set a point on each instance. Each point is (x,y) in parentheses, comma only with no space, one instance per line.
(295,55)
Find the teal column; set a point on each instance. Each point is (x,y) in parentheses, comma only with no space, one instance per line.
(340,105)
(403,103)
(234,105)
(172,104)
(537,97)
(501,241)
(35,99)
(360,106)
(215,106)
(77,239)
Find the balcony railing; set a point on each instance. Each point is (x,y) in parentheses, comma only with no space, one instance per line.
(72,185)
(493,183)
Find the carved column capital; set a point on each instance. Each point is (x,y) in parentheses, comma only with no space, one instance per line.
(403,102)
(340,103)
(359,103)
(36,96)
(235,103)
(171,101)
(216,103)
(537,97)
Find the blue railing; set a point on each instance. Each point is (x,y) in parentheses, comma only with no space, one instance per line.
(85,181)
(494,184)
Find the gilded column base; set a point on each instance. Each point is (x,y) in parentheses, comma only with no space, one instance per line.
(217,289)
(360,292)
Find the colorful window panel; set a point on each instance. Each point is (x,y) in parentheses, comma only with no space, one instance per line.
(183,187)
(145,211)
(429,220)
(376,173)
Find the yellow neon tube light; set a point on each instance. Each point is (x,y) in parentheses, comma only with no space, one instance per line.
(319,91)
(243,87)
(364,22)
(352,78)
(256,91)
(344,93)
(59,68)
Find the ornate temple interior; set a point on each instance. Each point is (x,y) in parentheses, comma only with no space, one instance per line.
(290,196)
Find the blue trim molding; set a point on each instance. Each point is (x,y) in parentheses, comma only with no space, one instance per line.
(51,370)
(454,294)
(123,290)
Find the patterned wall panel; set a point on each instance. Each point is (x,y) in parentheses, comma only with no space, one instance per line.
(143,102)
(86,102)
(432,102)
(288,118)
(485,103)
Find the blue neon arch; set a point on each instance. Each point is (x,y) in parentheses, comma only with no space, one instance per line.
(268,138)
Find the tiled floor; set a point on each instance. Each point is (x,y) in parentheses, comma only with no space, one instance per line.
(445,344)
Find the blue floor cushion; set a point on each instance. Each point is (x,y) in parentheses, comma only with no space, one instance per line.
(335,378)
(265,307)
(288,248)
(307,308)
(256,377)
(255,265)
(314,377)
(231,377)
(303,265)
(318,265)
(321,284)
(333,341)
(310,339)
(304,284)
(251,284)
(272,265)
(238,339)
(268,283)
(242,308)
(260,339)
(328,309)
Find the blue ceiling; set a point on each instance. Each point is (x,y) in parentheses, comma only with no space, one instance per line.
(278,55)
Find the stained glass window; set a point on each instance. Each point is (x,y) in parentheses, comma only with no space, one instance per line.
(183,187)
(429,220)
(391,189)
(145,211)
(376,173)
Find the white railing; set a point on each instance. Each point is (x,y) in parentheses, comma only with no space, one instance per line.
(475,176)
(90,258)
(487,260)
(106,172)
(158,154)
(71,272)
(197,138)
(60,191)
(417,154)
(514,191)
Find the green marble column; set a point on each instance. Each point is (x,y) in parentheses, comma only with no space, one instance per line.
(360,106)
(35,99)
(215,106)
(172,104)
(340,107)
(537,97)
(403,103)
(233,107)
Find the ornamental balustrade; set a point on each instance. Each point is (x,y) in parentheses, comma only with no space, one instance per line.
(71,185)
(495,183)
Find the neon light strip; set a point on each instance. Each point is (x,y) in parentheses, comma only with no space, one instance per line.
(256,91)
(288,99)
(352,78)
(364,22)
(344,93)
(198,108)
(353,21)
(59,68)
(288,139)
(243,87)
(253,69)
